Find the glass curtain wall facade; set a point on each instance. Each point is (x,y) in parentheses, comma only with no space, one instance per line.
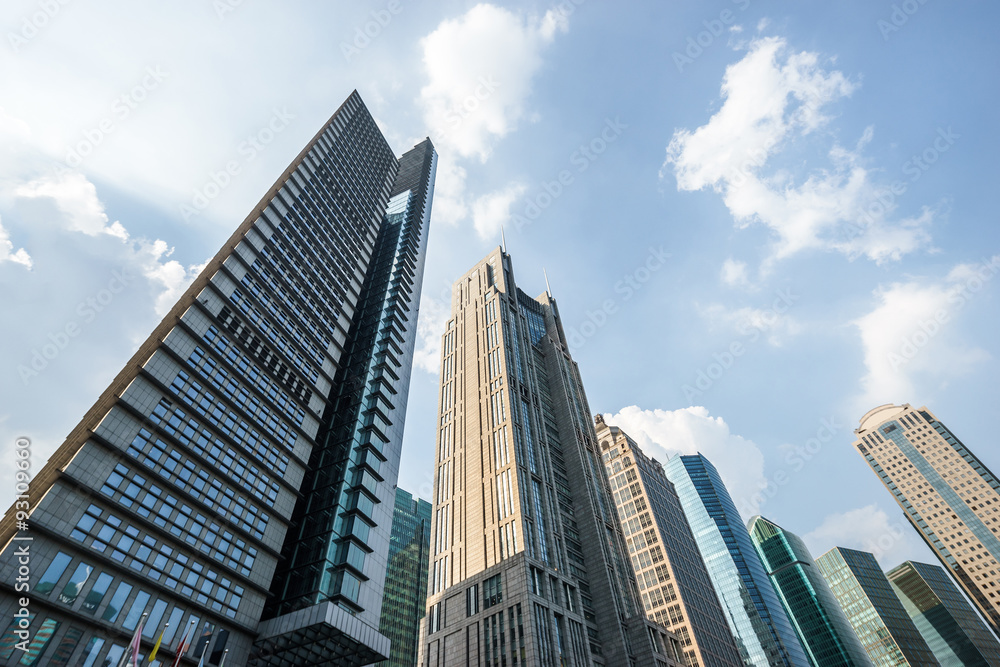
(824,631)
(949,625)
(334,556)
(756,617)
(947,494)
(406,578)
(675,587)
(173,496)
(528,565)
(882,625)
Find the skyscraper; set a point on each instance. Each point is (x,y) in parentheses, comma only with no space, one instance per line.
(941,614)
(947,494)
(405,596)
(824,630)
(756,617)
(528,566)
(882,625)
(173,495)
(334,555)
(675,587)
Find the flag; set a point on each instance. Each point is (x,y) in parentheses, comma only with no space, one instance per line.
(132,653)
(183,646)
(137,642)
(156,647)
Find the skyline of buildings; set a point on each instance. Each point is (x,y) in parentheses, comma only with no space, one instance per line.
(946,493)
(168,505)
(529,565)
(756,616)
(875,612)
(270,405)
(673,582)
(823,628)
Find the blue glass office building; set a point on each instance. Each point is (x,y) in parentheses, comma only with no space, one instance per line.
(756,617)
(823,628)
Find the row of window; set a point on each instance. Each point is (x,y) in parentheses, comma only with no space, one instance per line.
(191,433)
(123,608)
(208,536)
(143,553)
(279,370)
(182,472)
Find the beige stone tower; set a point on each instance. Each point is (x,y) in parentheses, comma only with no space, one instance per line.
(675,587)
(948,495)
(527,563)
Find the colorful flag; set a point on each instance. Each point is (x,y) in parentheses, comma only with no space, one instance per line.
(183,646)
(156,647)
(137,642)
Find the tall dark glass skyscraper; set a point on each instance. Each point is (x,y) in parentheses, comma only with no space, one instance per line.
(946,620)
(334,556)
(873,609)
(824,630)
(174,494)
(406,578)
(756,617)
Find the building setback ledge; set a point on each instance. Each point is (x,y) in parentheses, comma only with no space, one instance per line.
(324,634)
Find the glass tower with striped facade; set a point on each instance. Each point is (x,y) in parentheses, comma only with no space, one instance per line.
(528,565)
(757,619)
(946,493)
(406,578)
(673,582)
(174,495)
(824,630)
(873,609)
(949,625)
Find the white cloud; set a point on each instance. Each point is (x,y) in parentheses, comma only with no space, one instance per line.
(664,433)
(909,335)
(76,198)
(480,67)
(82,211)
(779,326)
(866,529)
(490,211)
(734,274)
(433,318)
(772,98)
(7,252)
(450,206)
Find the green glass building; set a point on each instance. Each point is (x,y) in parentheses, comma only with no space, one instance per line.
(946,620)
(823,629)
(406,578)
(873,609)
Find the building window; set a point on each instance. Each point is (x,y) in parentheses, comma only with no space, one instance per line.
(472,600)
(492,591)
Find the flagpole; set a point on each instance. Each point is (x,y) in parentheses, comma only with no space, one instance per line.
(156,647)
(132,650)
(182,647)
(222,662)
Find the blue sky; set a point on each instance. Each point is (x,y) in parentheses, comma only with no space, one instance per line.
(760,219)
